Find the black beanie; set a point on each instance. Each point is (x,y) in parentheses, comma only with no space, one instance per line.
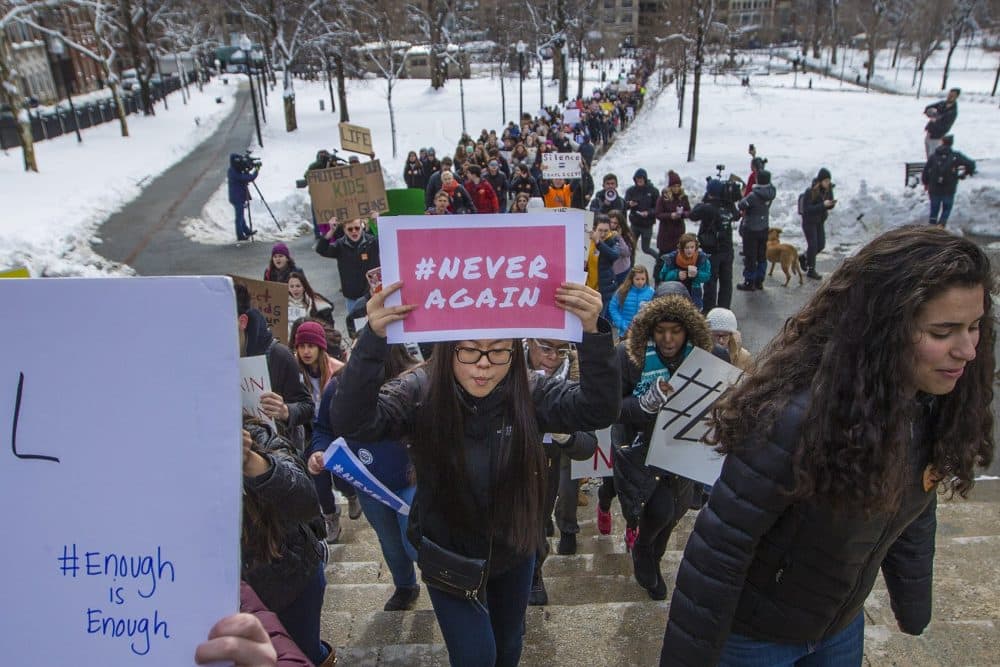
(824,173)
(763,177)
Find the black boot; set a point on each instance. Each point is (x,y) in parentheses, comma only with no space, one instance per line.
(403,599)
(812,274)
(802,261)
(645,566)
(538,597)
(746,286)
(567,544)
(758,284)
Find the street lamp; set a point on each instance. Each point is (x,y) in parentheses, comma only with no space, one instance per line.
(521,46)
(245,47)
(58,50)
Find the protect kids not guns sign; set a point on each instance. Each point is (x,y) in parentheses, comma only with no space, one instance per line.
(481,276)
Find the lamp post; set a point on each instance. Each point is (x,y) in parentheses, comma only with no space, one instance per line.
(245,47)
(521,46)
(58,51)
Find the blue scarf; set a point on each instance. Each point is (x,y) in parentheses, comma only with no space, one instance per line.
(653,368)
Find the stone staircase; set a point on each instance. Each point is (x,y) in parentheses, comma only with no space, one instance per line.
(598,615)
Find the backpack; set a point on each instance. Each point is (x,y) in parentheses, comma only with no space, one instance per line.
(940,171)
(731,192)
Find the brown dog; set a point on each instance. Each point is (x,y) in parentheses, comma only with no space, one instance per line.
(783,253)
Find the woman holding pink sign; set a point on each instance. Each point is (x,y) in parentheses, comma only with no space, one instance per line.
(473,417)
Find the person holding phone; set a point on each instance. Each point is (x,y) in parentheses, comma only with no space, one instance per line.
(817,202)
(688,265)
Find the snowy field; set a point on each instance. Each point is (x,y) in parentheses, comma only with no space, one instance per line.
(863,138)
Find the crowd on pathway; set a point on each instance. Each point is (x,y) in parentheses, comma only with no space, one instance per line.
(476,437)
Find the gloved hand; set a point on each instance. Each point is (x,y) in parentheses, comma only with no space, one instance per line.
(655,397)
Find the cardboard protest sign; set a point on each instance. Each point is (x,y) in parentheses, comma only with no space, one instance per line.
(571,116)
(561,165)
(122,507)
(19,272)
(255,381)
(599,465)
(348,191)
(482,276)
(271,299)
(356,139)
(342,462)
(677,443)
(607,106)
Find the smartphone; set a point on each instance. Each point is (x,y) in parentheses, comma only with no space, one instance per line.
(375,279)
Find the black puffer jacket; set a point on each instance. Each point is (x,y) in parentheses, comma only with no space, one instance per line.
(560,407)
(285,491)
(354,261)
(761,565)
(814,210)
(715,230)
(634,480)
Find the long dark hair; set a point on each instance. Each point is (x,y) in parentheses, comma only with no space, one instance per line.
(518,484)
(851,346)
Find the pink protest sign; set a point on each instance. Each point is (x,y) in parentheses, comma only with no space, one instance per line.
(481,276)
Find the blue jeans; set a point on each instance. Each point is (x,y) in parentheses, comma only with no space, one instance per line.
(390,527)
(242,230)
(942,204)
(844,649)
(301,617)
(491,636)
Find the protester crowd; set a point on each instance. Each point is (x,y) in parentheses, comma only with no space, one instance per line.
(477,436)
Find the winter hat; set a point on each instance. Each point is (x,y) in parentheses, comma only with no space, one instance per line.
(673,178)
(493,163)
(763,177)
(823,174)
(281,249)
(672,287)
(311,333)
(640,173)
(722,319)
(714,189)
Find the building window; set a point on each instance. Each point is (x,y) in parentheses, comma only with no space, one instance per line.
(609,4)
(626,3)
(627,18)
(609,18)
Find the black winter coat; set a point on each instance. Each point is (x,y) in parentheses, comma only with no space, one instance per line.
(757,205)
(560,407)
(942,118)
(814,211)
(715,230)
(413,174)
(354,260)
(285,376)
(645,197)
(958,166)
(763,565)
(285,491)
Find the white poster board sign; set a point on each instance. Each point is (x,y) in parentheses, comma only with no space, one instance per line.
(571,116)
(465,289)
(255,381)
(598,465)
(676,445)
(122,477)
(561,165)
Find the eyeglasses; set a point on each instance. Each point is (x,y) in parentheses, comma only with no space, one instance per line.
(472,355)
(353,229)
(550,351)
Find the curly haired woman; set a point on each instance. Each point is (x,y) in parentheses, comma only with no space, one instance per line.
(871,400)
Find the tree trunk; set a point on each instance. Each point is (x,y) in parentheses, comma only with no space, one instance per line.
(329,84)
(119,106)
(338,63)
(563,77)
(680,101)
(10,98)
(996,79)
(947,61)
(503,96)
(289,98)
(579,71)
(895,51)
(392,118)
(699,54)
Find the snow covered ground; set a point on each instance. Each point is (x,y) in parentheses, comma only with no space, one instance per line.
(863,138)
(47,219)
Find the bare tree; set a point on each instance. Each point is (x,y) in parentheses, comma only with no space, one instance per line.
(434,19)
(926,36)
(10,94)
(872,16)
(961,18)
(382,51)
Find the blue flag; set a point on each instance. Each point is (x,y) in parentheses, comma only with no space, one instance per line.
(341,461)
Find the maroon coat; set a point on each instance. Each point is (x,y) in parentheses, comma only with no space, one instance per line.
(670,230)
(289,654)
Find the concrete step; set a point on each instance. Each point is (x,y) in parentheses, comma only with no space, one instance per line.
(974,643)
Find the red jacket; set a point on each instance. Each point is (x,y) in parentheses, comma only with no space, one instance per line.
(483,196)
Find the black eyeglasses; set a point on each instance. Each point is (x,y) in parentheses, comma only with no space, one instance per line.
(472,355)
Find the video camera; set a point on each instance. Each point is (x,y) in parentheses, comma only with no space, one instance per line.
(324,160)
(246,162)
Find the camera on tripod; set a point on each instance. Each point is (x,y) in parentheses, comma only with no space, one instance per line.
(246,162)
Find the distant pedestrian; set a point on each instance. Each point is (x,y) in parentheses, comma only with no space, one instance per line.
(944,169)
(756,208)
(942,116)
(815,205)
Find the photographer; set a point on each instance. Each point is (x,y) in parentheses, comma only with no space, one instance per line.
(942,116)
(243,170)
(715,216)
(815,205)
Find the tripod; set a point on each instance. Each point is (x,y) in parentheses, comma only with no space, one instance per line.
(263,201)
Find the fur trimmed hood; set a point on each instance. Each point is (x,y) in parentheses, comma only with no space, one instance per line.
(671,307)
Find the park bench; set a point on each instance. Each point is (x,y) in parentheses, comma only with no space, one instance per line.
(913,172)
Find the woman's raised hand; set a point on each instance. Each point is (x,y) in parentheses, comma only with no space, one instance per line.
(581,301)
(381,315)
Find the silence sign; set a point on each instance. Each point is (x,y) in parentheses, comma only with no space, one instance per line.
(561,165)
(347,191)
(482,276)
